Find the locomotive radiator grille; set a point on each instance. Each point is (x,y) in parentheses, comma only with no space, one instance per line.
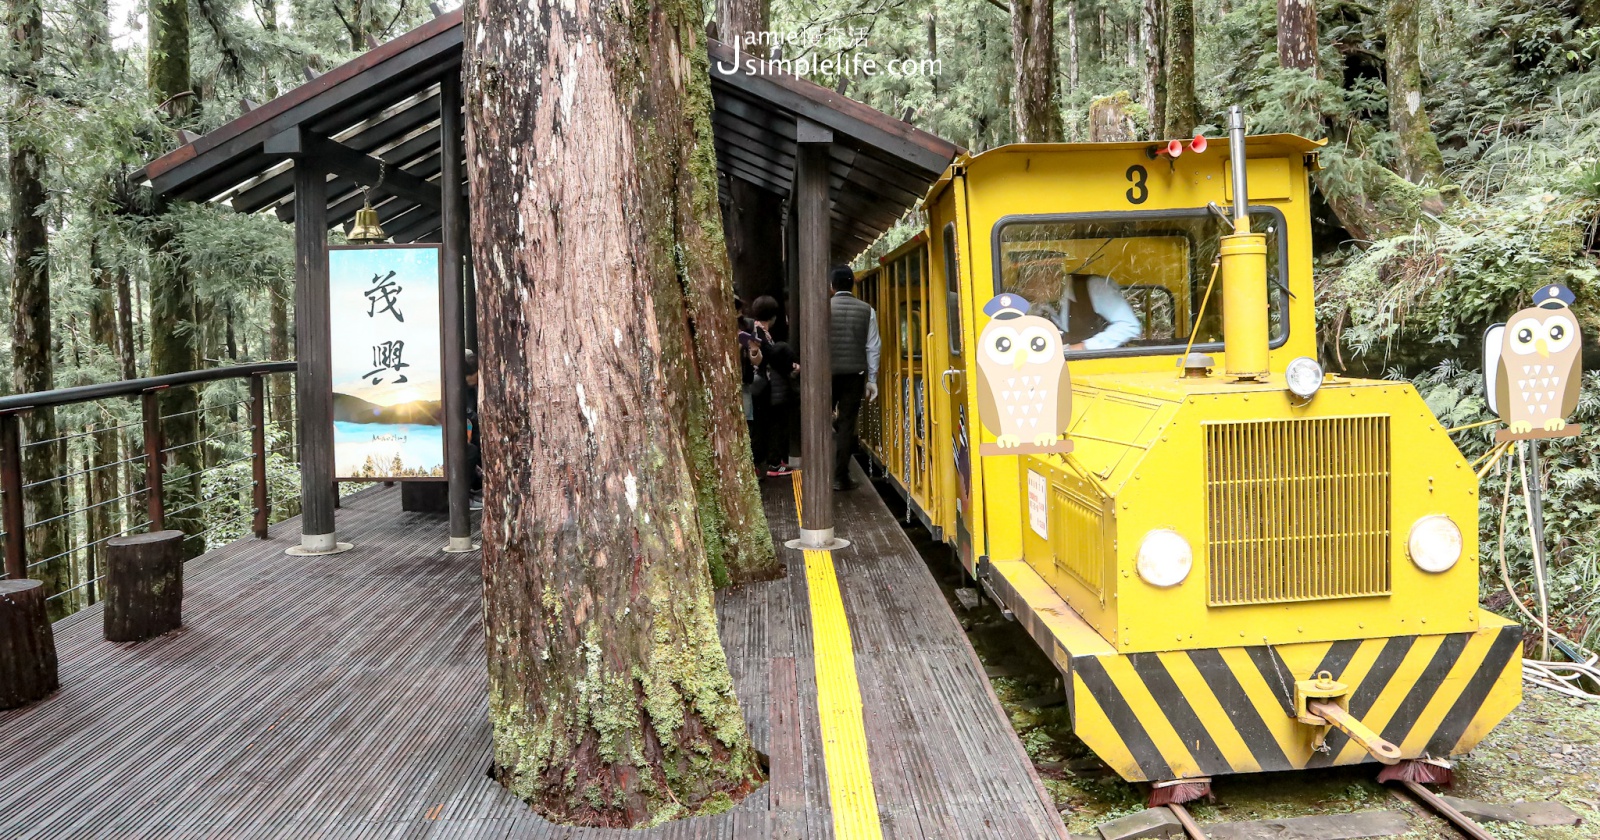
(1078,539)
(1297,510)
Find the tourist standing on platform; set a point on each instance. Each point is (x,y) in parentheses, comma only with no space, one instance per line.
(780,413)
(855,346)
(469,364)
(755,390)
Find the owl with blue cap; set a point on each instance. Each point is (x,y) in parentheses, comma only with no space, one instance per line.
(1024,390)
(1533,364)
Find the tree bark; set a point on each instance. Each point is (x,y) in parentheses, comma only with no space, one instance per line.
(1418,160)
(1109,120)
(1101,34)
(743,18)
(609,691)
(28,666)
(101,486)
(128,351)
(1034,114)
(175,332)
(1182,111)
(1072,44)
(143,586)
(1152,35)
(278,349)
(1297,35)
(33,357)
(168,65)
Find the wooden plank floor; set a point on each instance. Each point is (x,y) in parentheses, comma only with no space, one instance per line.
(345,697)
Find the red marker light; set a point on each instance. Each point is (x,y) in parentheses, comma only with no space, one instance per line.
(1198,144)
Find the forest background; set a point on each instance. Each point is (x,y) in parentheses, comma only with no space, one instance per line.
(1462,172)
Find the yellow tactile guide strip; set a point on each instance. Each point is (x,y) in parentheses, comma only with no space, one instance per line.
(844,735)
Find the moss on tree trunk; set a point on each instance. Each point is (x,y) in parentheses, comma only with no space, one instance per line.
(602,254)
(174,329)
(1418,159)
(33,353)
(1182,111)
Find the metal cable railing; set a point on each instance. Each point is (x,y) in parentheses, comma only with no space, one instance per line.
(119,475)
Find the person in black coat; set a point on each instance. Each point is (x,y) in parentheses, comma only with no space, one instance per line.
(778,416)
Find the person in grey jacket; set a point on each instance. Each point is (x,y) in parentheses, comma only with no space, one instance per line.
(855,348)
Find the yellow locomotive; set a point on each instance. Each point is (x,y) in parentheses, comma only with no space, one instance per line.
(1243,564)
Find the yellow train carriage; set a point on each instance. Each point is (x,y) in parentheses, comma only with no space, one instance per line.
(1215,542)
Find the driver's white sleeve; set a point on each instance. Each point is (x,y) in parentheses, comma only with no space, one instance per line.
(1122,325)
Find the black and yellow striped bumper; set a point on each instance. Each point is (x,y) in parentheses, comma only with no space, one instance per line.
(1209,712)
(1157,716)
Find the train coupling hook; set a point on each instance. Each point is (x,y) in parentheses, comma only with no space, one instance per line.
(1321,703)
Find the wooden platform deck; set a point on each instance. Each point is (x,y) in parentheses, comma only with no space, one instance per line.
(345,697)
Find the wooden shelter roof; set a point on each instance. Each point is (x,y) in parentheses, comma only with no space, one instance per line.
(379,114)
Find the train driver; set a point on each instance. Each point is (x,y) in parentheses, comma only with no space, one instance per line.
(1107,321)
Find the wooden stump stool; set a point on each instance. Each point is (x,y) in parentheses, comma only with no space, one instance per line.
(27,645)
(143,586)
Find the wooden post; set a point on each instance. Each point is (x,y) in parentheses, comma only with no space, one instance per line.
(150,406)
(791,272)
(143,586)
(314,375)
(258,453)
(13,516)
(27,645)
(816,362)
(451,253)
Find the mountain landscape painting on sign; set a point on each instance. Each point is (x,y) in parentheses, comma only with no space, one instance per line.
(387,396)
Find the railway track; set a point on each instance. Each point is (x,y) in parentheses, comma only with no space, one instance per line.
(1405,791)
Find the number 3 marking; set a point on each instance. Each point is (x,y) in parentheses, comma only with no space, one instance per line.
(1137,193)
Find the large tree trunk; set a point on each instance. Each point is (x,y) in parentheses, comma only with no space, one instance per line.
(32,359)
(168,65)
(1418,160)
(741,18)
(278,350)
(101,486)
(1297,35)
(1152,35)
(1182,111)
(1072,44)
(733,525)
(609,691)
(175,333)
(1034,113)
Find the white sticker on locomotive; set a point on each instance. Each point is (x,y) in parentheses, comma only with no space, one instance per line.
(1039,504)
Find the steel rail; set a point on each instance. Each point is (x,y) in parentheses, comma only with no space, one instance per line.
(1433,802)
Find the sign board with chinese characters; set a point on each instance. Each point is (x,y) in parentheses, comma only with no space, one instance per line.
(388,404)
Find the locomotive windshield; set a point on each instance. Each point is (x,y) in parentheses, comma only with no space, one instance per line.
(1141,277)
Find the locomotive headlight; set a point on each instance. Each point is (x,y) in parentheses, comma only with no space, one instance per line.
(1435,543)
(1164,558)
(1304,376)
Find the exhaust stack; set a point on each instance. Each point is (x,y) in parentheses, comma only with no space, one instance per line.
(1244,273)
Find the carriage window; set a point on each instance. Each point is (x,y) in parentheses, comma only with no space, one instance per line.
(1144,275)
(952,286)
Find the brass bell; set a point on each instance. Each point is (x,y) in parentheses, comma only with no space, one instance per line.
(366,230)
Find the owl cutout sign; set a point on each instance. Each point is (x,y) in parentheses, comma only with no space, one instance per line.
(1532,368)
(1024,391)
